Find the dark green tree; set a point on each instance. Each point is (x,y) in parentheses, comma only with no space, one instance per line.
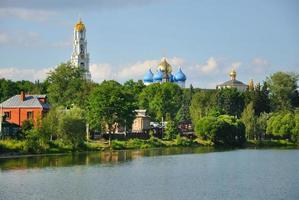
(184,112)
(110,104)
(66,86)
(159,99)
(134,88)
(222,130)
(230,101)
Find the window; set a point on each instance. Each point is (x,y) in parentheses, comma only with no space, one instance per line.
(30,115)
(7,115)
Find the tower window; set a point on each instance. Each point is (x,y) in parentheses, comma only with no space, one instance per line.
(82,64)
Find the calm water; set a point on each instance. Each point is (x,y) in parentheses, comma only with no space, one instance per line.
(176,173)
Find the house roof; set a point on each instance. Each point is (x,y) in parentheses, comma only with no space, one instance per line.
(31,101)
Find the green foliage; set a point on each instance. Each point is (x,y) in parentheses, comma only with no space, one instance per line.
(7,146)
(261,124)
(230,101)
(183,141)
(202,103)
(226,130)
(9,88)
(27,125)
(67,86)
(134,89)
(159,99)
(184,112)
(50,123)
(35,143)
(283,87)
(171,130)
(249,120)
(71,127)
(259,97)
(109,104)
(283,124)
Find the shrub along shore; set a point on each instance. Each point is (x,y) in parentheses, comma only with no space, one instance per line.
(17,147)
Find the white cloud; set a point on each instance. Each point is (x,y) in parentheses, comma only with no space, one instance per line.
(206,75)
(211,66)
(24,74)
(137,70)
(27,14)
(100,72)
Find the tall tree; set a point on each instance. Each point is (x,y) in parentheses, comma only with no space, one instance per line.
(249,119)
(109,104)
(160,99)
(134,88)
(283,88)
(184,111)
(66,84)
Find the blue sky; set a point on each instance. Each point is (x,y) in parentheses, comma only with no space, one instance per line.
(207,38)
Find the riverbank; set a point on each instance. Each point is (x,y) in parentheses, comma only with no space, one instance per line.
(15,147)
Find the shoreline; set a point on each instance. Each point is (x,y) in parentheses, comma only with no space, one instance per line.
(248,145)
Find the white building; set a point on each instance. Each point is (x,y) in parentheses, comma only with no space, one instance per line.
(80,57)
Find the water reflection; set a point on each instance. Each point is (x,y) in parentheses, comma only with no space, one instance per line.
(104,157)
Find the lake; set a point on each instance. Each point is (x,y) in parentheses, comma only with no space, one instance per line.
(171,173)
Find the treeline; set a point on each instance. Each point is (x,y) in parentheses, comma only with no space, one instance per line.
(267,111)
(9,88)
(223,116)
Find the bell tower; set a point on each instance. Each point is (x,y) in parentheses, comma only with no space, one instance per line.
(80,57)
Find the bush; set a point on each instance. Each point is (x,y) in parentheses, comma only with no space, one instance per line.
(183,141)
(118,145)
(7,146)
(34,142)
(225,130)
(71,127)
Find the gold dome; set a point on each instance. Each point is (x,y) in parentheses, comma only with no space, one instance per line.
(79,26)
(164,66)
(233,74)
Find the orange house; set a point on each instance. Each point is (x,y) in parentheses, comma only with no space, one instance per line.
(24,107)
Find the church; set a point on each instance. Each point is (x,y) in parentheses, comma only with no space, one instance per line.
(163,74)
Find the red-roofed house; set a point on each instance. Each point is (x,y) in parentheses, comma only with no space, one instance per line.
(24,107)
